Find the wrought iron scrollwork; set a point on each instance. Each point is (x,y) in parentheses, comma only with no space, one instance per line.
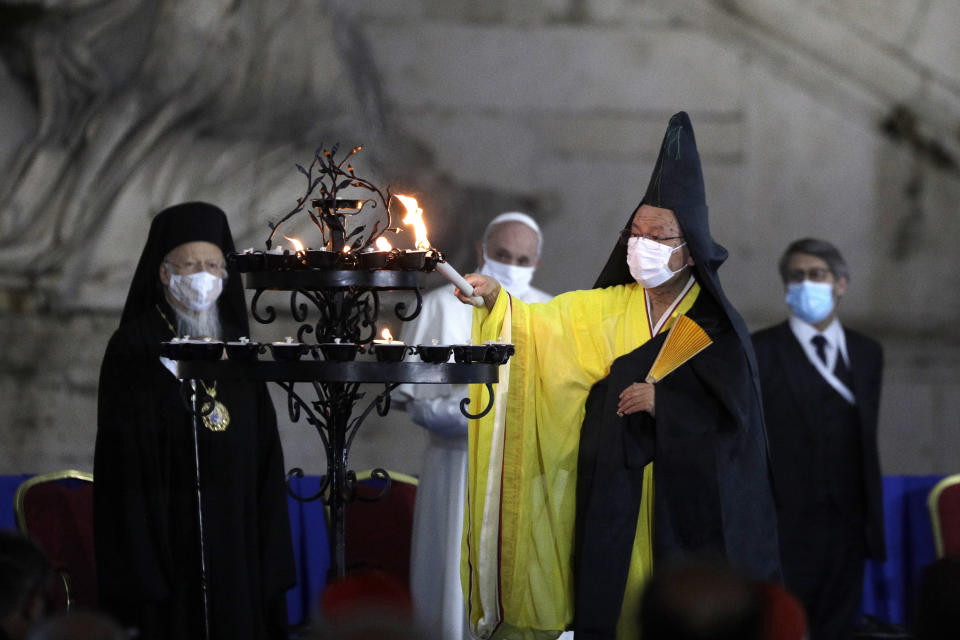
(295,406)
(368,316)
(350,486)
(364,315)
(382,400)
(271,312)
(347,314)
(304,329)
(297,472)
(351,482)
(401,308)
(466,401)
(298,311)
(376,474)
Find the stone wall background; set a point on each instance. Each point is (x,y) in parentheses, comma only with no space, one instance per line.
(830,118)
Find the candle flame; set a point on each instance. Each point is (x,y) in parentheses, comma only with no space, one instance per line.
(297,245)
(414,217)
(386,335)
(383,244)
(346,248)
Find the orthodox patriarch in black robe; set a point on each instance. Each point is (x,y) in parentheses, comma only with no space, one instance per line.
(145,500)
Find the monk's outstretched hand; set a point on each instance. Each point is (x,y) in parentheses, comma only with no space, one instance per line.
(637,397)
(484,286)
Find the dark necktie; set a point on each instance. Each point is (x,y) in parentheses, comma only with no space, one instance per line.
(840,369)
(842,372)
(821,344)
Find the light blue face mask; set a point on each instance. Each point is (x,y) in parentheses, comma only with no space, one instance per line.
(810,301)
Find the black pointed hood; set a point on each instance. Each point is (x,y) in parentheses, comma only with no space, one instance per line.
(187,222)
(676,184)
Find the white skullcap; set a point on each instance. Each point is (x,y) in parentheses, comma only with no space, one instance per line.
(515,216)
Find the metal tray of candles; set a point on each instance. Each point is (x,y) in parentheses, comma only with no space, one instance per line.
(487,353)
(187,349)
(390,351)
(321,268)
(331,371)
(490,352)
(287,350)
(243,350)
(434,353)
(311,279)
(337,351)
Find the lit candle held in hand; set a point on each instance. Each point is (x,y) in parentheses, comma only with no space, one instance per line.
(457,280)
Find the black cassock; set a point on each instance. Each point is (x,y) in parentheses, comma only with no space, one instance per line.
(712,489)
(145,499)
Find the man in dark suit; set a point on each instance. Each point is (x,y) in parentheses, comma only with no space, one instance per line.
(821,394)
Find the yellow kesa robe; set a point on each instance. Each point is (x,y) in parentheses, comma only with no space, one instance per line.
(517,559)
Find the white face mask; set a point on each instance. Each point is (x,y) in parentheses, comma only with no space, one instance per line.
(513,278)
(196,291)
(648,261)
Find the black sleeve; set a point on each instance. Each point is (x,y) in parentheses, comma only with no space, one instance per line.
(128,523)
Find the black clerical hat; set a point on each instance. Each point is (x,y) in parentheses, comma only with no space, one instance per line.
(676,184)
(677,180)
(176,225)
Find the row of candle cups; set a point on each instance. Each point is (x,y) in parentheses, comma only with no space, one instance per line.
(289,351)
(324,259)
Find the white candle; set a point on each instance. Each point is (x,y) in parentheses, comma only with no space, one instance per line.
(465,287)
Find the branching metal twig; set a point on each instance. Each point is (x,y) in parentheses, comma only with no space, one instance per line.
(331,178)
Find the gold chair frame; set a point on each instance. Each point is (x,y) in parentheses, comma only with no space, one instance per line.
(932,499)
(19,510)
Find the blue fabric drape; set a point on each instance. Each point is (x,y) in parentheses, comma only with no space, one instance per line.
(889,588)
(311,550)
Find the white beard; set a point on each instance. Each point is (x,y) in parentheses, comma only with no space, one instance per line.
(199,324)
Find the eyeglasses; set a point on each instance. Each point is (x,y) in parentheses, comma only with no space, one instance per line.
(816,274)
(626,234)
(194,266)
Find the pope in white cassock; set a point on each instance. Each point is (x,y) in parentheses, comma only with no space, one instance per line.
(510,252)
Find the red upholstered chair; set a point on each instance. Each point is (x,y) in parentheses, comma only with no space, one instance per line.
(56,510)
(944,505)
(379,531)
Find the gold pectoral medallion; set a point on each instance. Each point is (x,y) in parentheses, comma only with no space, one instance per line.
(219,418)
